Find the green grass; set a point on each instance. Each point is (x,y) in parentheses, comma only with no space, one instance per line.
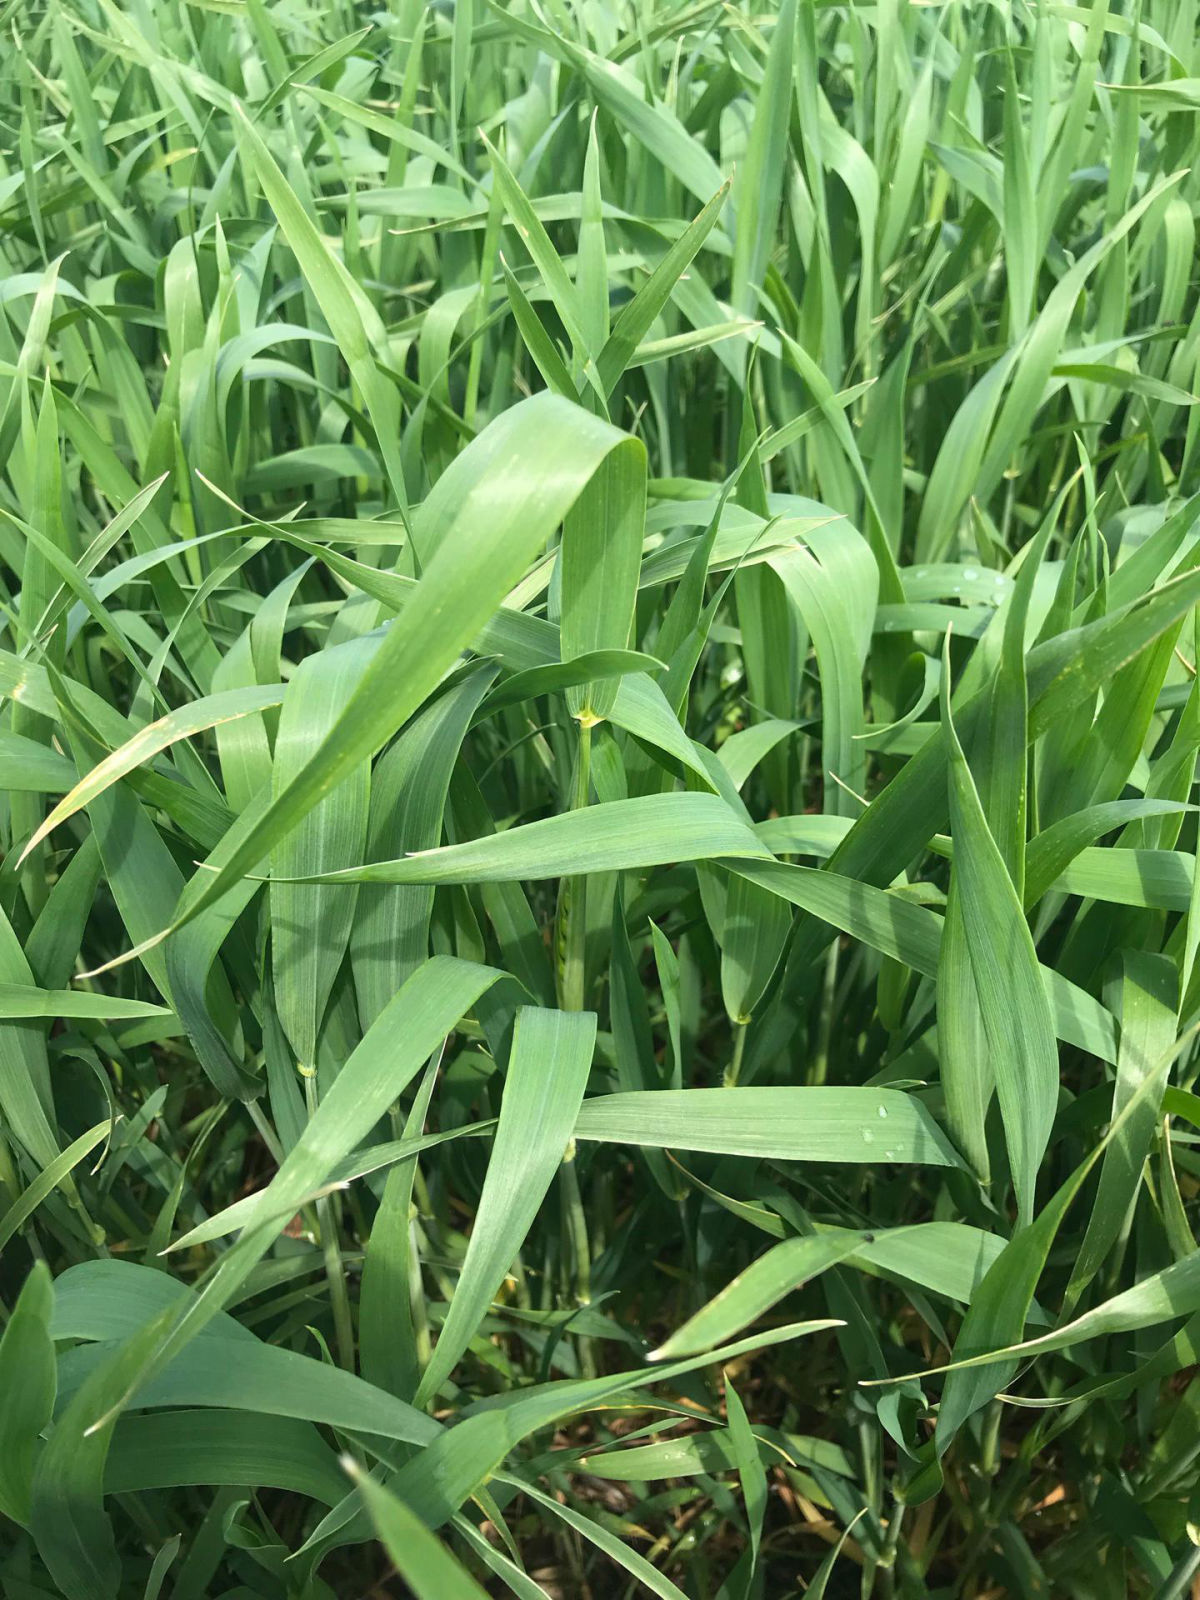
(598,913)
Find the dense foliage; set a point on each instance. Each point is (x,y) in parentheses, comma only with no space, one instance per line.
(663,531)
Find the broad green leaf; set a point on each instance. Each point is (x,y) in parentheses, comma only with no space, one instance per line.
(547,1072)
(599,559)
(387,1339)
(157,1451)
(558,675)
(750,1468)
(622,834)
(1054,849)
(591,275)
(761,1286)
(311,927)
(821,1124)
(1160,878)
(423,1560)
(70,1526)
(389,934)
(25,1093)
(151,741)
(224,1367)
(17,1000)
(27,1386)
(1013,1004)
(1149,1003)
(760,178)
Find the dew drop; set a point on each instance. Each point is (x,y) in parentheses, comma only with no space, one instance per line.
(883,1111)
(888,626)
(970,574)
(890,1155)
(867,1136)
(956,588)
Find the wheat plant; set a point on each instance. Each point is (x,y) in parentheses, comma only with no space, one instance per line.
(598,737)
